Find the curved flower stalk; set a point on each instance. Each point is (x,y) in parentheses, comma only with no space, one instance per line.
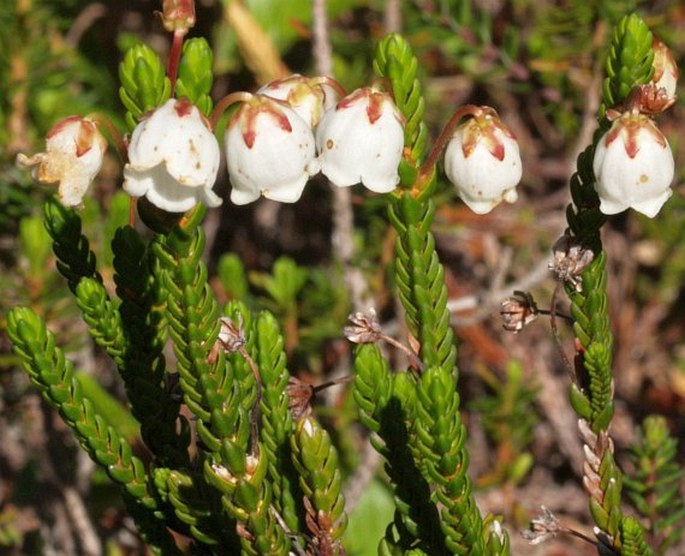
(173,159)
(361,141)
(74,151)
(269,151)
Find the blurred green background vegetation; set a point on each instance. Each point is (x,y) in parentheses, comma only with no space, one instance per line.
(539,62)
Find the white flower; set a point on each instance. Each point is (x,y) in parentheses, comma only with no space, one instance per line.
(482,160)
(173,159)
(633,166)
(269,151)
(306,96)
(362,140)
(74,149)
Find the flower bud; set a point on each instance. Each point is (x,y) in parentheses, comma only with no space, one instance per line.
(660,93)
(482,160)
(173,158)
(633,166)
(665,69)
(178,15)
(305,95)
(269,151)
(74,150)
(361,140)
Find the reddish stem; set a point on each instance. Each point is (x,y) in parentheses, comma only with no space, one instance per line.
(341,380)
(445,135)
(175,57)
(224,103)
(115,137)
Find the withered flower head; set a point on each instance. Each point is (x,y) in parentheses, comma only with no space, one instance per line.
(231,336)
(571,258)
(518,311)
(542,528)
(366,329)
(300,397)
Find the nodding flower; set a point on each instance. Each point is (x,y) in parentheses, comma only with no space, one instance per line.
(74,151)
(173,159)
(633,166)
(482,160)
(269,151)
(361,141)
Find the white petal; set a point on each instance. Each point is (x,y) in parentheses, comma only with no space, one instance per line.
(243,196)
(71,191)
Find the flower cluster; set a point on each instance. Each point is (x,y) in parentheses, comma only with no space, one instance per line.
(293,128)
(275,141)
(633,163)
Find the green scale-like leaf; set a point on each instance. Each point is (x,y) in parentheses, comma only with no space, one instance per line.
(629,64)
(75,260)
(386,405)
(441,439)
(277,425)
(48,369)
(144,84)
(316,460)
(195,77)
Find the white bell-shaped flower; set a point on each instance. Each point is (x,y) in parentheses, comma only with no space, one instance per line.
(305,95)
(74,150)
(173,158)
(633,166)
(361,140)
(269,151)
(482,160)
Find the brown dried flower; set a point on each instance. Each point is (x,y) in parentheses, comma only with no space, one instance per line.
(518,311)
(366,329)
(571,258)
